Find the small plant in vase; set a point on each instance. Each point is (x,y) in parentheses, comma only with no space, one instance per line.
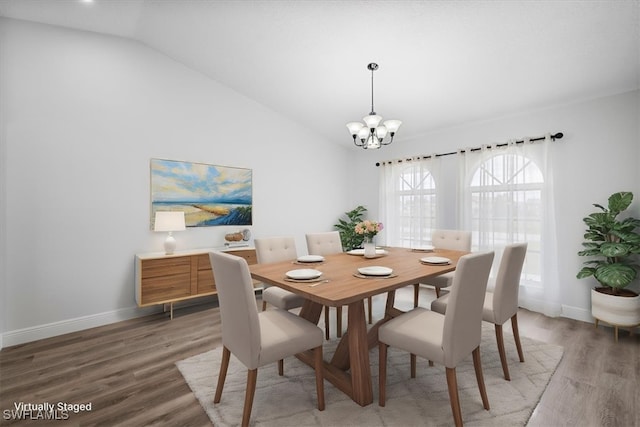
(368,230)
(613,245)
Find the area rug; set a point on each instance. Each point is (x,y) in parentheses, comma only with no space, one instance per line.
(290,400)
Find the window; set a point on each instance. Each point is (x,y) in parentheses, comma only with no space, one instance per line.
(506,193)
(408,203)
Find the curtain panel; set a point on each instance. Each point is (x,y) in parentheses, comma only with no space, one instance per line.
(408,197)
(503,195)
(506,196)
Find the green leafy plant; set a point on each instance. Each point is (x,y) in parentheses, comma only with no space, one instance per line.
(612,243)
(347,228)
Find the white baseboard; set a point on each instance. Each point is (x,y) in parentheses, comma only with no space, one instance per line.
(570,312)
(21,336)
(577,313)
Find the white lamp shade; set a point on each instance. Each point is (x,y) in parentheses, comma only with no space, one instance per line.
(392,125)
(363,133)
(372,120)
(381,131)
(354,127)
(169,221)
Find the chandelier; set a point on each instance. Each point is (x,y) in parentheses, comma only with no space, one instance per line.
(372,134)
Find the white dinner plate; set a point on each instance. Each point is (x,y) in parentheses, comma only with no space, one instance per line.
(375,271)
(361,252)
(303,274)
(437,260)
(310,258)
(424,248)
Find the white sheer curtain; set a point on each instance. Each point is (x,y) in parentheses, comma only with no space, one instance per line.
(408,201)
(506,197)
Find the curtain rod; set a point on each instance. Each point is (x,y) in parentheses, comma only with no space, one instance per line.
(558,135)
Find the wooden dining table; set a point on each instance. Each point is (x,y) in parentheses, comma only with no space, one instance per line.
(341,284)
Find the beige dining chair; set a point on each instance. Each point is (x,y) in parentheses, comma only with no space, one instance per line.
(501,303)
(258,338)
(455,240)
(447,338)
(327,243)
(277,249)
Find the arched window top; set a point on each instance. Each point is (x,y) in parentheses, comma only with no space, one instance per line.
(506,170)
(416,177)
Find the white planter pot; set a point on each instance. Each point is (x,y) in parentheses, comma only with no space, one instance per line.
(616,311)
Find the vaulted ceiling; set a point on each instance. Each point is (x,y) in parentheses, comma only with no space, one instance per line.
(442,63)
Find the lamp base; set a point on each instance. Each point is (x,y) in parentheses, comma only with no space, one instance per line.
(169,245)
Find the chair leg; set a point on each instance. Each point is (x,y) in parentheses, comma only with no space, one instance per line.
(224,365)
(339,322)
(370,308)
(252,377)
(503,355)
(437,292)
(477,365)
(319,362)
(281,367)
(382,374)
(416,294)
(516,336)
(264,305)
(452,383)
(326,322)
(413,365)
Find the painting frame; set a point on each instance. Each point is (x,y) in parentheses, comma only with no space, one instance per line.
(209,195)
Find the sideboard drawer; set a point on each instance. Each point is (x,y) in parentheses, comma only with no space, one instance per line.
(165,279)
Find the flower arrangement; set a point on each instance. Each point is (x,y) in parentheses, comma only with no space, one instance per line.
(368,228)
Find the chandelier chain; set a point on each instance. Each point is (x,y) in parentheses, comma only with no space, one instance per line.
(373,111)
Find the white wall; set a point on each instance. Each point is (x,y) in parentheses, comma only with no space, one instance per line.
(597,156)
(82,114)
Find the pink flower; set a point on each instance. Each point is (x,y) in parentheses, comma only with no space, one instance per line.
(368,228)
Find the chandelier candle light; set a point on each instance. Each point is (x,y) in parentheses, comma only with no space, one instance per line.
(372,134)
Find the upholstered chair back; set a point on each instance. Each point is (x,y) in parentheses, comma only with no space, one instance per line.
(324,243)
(455,240)
(505,294)
(463,318)
(238,310)
(275,249)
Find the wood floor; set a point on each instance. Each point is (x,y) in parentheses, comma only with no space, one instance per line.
(127,370)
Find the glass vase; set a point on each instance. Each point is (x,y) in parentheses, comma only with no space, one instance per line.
(369,247)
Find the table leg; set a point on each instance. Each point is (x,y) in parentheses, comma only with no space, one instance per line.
(311,311)
(352,352)
(359,355)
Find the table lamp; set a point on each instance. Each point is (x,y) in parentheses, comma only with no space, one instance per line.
(169,221)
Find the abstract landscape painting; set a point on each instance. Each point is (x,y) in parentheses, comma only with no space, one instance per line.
(209,195)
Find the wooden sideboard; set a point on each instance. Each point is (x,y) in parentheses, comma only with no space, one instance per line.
(165,279)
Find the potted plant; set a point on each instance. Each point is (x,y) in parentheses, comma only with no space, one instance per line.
(347,228)
(612,245)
